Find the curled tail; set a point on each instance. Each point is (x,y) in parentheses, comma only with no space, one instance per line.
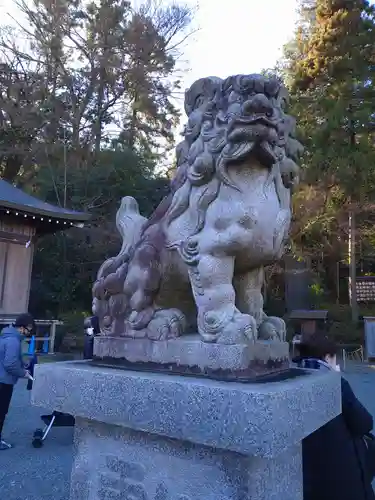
(126,286)
(112,273)
(129,224)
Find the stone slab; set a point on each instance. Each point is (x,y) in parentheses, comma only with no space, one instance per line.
(261,419)
(115,463)
(248,360)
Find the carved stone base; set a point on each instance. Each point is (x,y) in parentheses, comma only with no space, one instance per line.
(190,355)
(150,436)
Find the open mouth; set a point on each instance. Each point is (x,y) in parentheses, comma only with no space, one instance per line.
(252,120)
(262,151)
(261,136)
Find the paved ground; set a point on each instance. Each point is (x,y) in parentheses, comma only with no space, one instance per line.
(34,474)
(362,380)
(43,474)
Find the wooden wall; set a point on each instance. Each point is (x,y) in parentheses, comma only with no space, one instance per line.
(16,257)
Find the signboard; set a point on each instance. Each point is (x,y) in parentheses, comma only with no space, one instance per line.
(365,286)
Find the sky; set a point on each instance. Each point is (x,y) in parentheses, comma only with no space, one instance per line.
(238,36)
(230,36)
(234,36)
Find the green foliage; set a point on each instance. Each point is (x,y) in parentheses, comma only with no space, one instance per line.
(77,68)
(342,330)
(73,321)
(86,111)
(66,263)
(99,187)
(329,67)
(317,294)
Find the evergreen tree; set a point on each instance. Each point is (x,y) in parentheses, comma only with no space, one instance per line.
(329,67)
(101,63)
(86,108)
(331,75)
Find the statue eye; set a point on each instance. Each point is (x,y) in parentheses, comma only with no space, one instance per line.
(199,101)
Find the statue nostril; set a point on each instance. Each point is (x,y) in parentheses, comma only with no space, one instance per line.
(258,104)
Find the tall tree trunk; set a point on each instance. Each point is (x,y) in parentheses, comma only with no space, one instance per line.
(351,249)
(98,122)
(133,128)
(352,268)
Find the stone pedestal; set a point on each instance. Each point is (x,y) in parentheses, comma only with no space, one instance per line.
(165,437)
(189,355)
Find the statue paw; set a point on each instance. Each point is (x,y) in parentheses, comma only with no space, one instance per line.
(240,329)
(166,324)
(272,328)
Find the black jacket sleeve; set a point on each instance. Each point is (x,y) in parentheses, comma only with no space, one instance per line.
(357,418)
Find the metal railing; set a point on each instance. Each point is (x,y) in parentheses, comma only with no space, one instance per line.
(51,323)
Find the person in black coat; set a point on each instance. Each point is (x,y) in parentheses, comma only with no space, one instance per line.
(334,456)
(91,326)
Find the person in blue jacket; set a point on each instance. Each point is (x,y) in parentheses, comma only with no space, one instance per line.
(11,364)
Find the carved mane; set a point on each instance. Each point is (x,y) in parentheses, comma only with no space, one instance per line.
(219,133)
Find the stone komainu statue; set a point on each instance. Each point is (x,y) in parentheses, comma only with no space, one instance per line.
(197,263)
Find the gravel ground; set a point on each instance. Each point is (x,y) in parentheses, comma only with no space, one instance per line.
(43,474)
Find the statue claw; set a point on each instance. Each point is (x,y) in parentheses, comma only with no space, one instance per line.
(272,328)
(241,329)
(166,324)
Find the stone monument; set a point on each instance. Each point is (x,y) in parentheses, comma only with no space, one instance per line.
(197,264)
(190,394)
